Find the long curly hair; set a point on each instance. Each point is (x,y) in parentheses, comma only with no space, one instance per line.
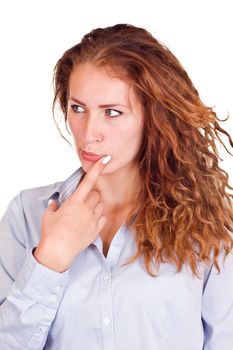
(184,212)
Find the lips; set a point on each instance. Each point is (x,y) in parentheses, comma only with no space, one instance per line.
(91,157)
(93,154)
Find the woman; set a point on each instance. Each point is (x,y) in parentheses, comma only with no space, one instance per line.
(135,249)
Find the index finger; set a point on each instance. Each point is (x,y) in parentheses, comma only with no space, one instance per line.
(90,178)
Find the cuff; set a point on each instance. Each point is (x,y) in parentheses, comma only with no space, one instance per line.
(40,283)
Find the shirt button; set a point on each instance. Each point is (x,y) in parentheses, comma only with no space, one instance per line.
(106,320)
(53,297)
(57,289)
(43,329)
(106,277)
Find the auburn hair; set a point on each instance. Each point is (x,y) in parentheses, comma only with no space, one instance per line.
(184,212)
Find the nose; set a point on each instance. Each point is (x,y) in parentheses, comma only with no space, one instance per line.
(92,131)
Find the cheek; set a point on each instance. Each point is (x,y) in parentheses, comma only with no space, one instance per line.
(125,143)
(71,124)
(130,138)
(74,128)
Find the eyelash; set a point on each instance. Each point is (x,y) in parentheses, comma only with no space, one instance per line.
(109,109)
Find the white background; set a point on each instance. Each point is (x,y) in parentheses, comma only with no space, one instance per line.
(34,34)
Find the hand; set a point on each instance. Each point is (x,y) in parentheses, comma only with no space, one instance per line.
(68,230)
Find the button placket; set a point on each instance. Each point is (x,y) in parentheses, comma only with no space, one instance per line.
(106,276)
(106,306)
(107,320)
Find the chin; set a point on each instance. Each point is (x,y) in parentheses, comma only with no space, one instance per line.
(86,165)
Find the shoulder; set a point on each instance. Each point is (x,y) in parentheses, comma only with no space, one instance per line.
(40,192)
(30,200)
(34,200)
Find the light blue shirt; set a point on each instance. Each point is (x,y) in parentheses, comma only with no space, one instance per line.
(97,304)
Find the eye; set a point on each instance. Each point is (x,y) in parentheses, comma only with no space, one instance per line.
(75,108)
(111,113)
(114,110)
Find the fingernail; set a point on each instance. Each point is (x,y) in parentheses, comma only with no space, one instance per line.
(106,159)
(50,201)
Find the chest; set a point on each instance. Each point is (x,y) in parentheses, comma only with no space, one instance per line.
(115,219)
(110,229)
(155,312)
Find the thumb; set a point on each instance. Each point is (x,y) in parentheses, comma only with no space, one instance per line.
(52,205)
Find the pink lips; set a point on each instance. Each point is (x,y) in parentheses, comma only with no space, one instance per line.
(91,157)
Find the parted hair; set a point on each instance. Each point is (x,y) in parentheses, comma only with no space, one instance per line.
(184,212)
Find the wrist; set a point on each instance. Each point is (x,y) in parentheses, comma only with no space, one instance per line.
(47,259)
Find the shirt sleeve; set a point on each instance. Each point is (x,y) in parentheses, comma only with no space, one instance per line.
(217,306)
(30,293)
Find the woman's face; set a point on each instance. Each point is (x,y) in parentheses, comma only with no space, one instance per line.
(100,117)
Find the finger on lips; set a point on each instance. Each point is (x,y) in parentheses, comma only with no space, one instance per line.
(90,178)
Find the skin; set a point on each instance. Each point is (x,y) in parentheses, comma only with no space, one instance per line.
(106,192)
(105,131)
(70,228)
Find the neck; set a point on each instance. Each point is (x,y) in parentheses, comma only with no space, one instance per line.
(118,189)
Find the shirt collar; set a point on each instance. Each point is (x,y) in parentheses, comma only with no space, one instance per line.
(62,190)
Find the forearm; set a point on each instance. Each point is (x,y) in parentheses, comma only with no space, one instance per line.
(29,309)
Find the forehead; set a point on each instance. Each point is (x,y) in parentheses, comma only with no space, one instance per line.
(88,82)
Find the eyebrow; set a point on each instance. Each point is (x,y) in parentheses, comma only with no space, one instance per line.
(100,106)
